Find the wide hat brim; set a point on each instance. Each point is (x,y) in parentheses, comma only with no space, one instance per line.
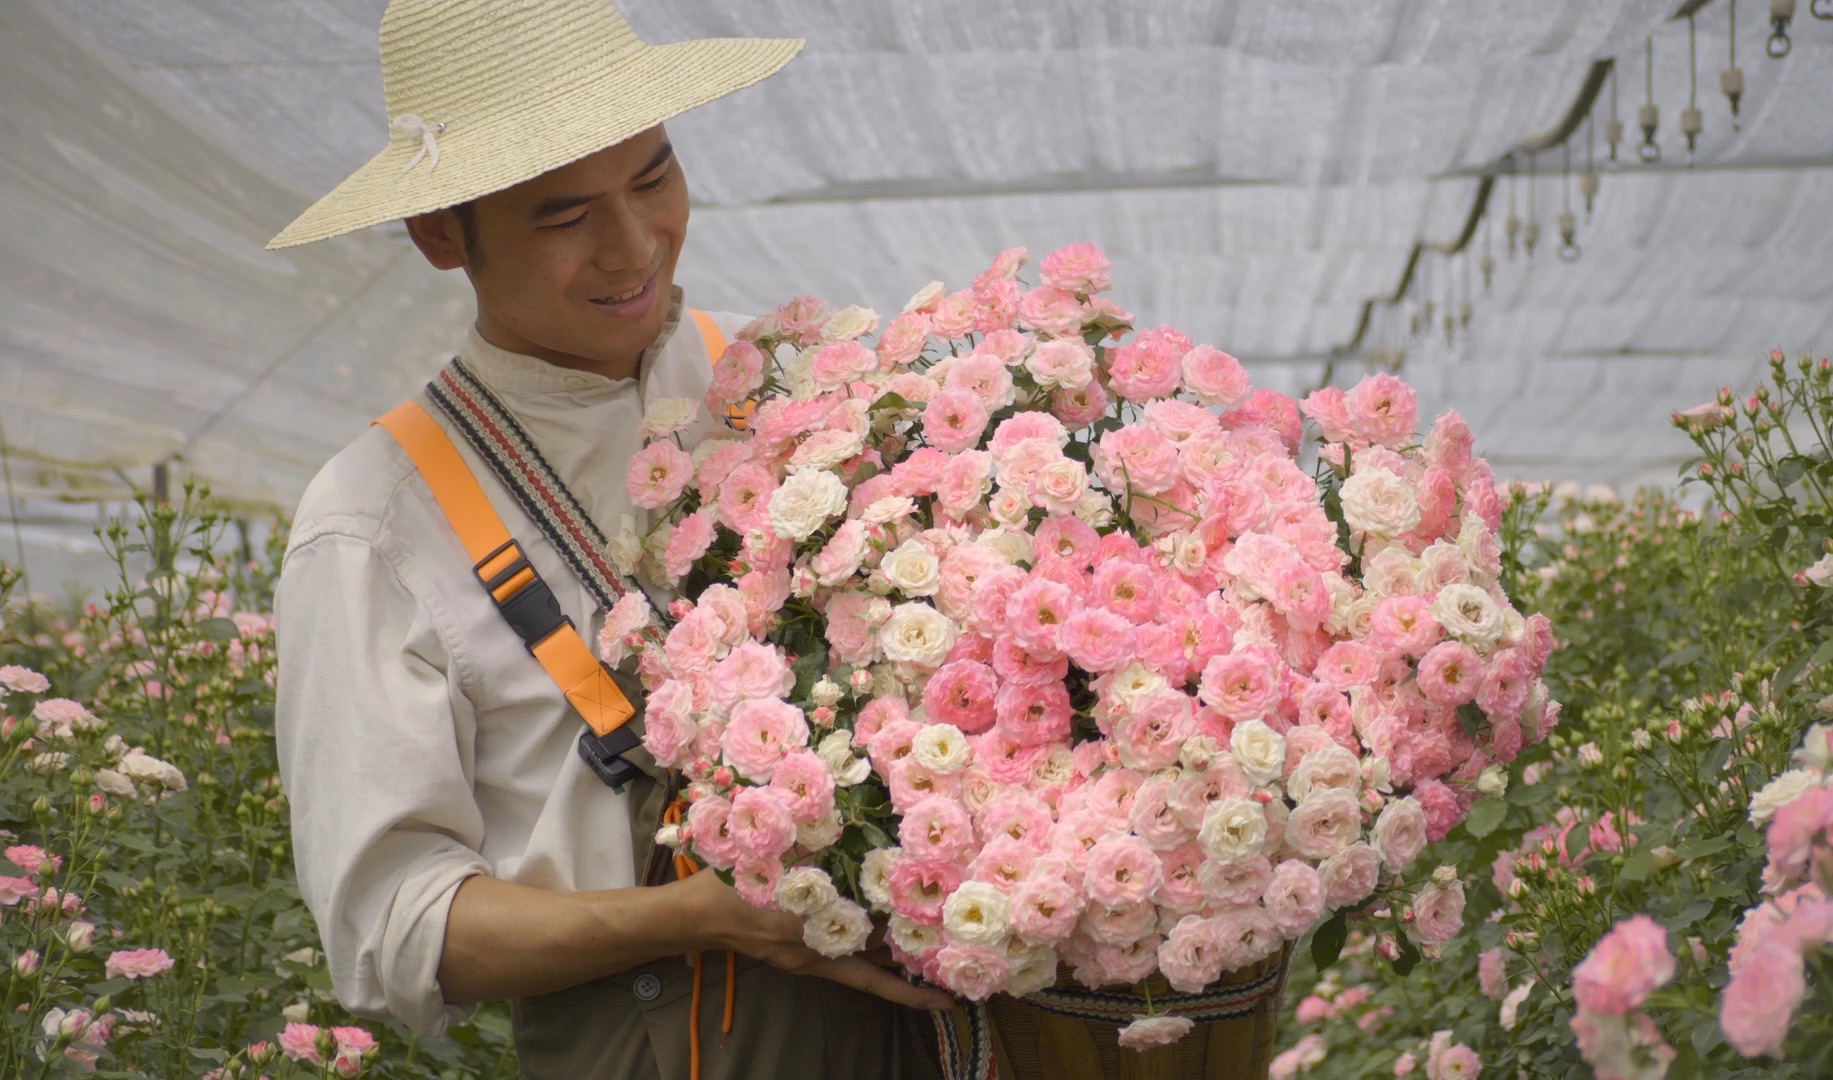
(600,108)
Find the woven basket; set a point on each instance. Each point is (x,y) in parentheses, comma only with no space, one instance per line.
(1063,1033)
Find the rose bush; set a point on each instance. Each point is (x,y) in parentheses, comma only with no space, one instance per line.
(1648,888)
(149,917)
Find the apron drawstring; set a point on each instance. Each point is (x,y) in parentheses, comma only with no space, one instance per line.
(686,867)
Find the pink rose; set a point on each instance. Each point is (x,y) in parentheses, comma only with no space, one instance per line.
(1451,1061)
(1623,968)
(1045,908)
(807,786)
(691,538)
(1247,935)
(1136,458)
(1384,410)
(1121,870)
(1492,974)
(961,693)
(1216,378)
(1098,640)
(137,964)
(936,828)
(1148,1031)
(760,823)
(658,474)
(1399,833)
(737,375)
(1761,998)
(976,972)
(761,732)
(1050,311)
(1438,912)
(1237,882)
(1450,673)
(1350,875)
(1079,268)
(300,1042)
(1295,898)
(954,420)
(1190,956)
(1325,823)
(1149,366)
(1081,406)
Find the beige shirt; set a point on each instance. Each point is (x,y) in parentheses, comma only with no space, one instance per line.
(419,741)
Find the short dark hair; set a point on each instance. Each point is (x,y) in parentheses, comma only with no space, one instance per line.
(466,213)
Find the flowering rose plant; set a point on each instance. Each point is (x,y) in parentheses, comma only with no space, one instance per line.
(150,922)
(1656,901)
(1029,633)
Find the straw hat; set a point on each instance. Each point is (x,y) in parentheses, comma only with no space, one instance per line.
(484,94)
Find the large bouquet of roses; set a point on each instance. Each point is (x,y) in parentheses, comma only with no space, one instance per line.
(1031,634)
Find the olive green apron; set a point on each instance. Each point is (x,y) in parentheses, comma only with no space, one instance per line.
(634,1025)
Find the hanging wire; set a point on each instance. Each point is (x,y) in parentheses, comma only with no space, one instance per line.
(1731,80)
(1649,116)
(1512,227)
(1691,121)
(1568,223)
(1588,184)
(1530,233)
(1465,307)
(1488,264)
(12,508)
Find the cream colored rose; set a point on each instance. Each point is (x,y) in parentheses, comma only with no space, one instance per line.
(1442,564)
(846,767)
(804,502)
(917,634)
(827,449)
(875,876)
(1333,767)
(1095,510)
(1233,829)
(1056,770)
(926,296)
(114,783)
(1377,502)
(1133,684)
(804,890)
(823,832)
(152,772)
(1034,967)
(1468,613)
(912,569)
(913,937)
(1393,571)
(839,929)
(1060,485)
(976,913)
(848,323)
(1014,544)
(941,748)
(1779,792)
(665,416)
(625,548)
(1259,750)
(1009,507)
(826,692)
(889,509)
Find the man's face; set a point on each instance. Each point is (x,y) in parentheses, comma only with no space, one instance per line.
(576,265)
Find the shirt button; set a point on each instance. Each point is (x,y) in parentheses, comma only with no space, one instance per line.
(647,987)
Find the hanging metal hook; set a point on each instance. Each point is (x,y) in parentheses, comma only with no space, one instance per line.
(1780,13)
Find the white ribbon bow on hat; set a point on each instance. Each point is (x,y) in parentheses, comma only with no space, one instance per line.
(429,147)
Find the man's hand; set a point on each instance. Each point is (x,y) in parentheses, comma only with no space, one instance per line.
(776,938)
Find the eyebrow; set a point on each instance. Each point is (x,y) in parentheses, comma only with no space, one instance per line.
(560,204)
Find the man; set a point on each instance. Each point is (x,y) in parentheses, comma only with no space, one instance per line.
(451,844)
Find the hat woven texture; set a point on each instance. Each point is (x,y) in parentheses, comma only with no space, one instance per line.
(521,88)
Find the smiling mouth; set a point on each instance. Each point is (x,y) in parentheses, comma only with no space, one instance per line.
(625,297)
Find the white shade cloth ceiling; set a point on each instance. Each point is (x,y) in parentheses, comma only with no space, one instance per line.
(1258,169)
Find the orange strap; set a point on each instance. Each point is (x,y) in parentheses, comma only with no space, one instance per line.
(686,867)
(564,653)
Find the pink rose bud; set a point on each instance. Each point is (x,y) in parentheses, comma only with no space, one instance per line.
(723,776)
(860,681)
(679,609)
(27,962)
(1388,949)
(824,716)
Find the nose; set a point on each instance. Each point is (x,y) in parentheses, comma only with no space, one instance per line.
(625,240)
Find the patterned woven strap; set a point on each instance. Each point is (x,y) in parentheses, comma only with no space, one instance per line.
(972,1059)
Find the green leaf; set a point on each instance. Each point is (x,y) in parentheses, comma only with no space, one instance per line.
(1327,941)
(219,629)
(1637,866)
(1699,849)
(1789,470)
(1408,958)
(1714,761)
(1681,657)
(1485,817)
(874,835)
(891,401)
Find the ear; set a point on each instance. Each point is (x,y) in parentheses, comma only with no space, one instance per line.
(440,238)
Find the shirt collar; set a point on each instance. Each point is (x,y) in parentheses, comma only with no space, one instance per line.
(517,373)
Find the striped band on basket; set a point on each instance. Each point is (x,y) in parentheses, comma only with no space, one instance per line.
(973,1061)
(500,440)
(1220,1003)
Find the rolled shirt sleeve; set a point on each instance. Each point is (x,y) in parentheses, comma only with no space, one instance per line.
(375,744)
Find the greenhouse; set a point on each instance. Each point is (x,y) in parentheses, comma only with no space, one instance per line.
(1018,539)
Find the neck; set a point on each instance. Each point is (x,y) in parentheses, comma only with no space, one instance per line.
(615,367)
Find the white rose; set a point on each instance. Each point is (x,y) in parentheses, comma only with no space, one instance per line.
(1259,750)
(1233,829)
(1780,792)
(1511,1005)
(913,937)
(941,748)
(1392,571)
(875,876)
(1009,507)
(1133,684)
(839,929)
(804,890)
(885,511)
(669,836)
(296,1012)
(1095,510)
(1034,967)
(917,634)
(804,503)
(1377,502)
(1816,750)
(1467,612)
(113,783)
(799,374)
(50,762)
(1493,782)
(1014,544)
(1399,833)
(1821,573)
(912,569)
(823,832)
(1321,770)
(1442,564)
(153,772)
(827,449)
(1056,770)
(848,323)
(926,296)
(846,767)
(666,416)
(826,692)
(625,548)
(977,913)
